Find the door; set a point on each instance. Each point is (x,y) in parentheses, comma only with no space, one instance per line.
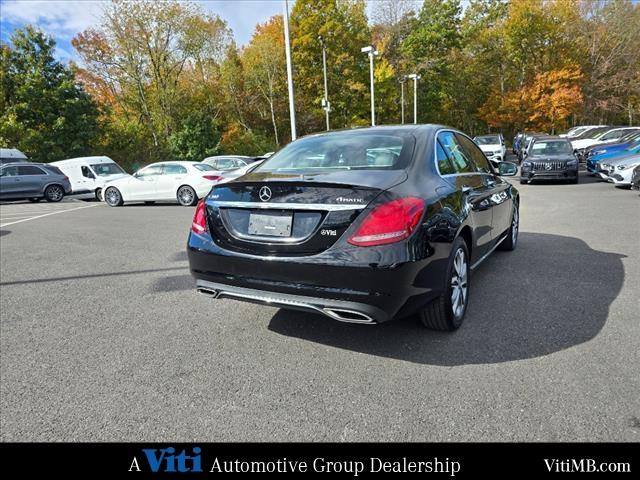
(173,176)
(32,180)
(499,189)
(471,183)
(143,185)
(10,183)
(86,182)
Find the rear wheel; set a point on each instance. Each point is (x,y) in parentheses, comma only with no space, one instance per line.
(511,241)
(447,311)
(54,193)
(98,194)
(187,196)
(113,197)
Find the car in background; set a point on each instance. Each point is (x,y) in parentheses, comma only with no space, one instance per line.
(238,172)
(223,163)
(182,182)
(322,227)
(549,158)
(12,155)
(88,175)
(575,131)
(526,143)
(515,144)
(580,145)
(33,181)
(618,171)
(493,147)
(611,154)
(635,178)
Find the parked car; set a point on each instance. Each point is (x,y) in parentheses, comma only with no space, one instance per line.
(229,162)
(525,144)
(322,226)
(635,178)
(238,172)
(12,155)
(88,175)
(618,171)
(580,145)
(611,153)
(515,144)
(575,131)
(184,182)
(33,181)
(549,158)
(493,147)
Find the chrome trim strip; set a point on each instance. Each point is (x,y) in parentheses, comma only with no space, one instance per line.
(288,206)
(484,257)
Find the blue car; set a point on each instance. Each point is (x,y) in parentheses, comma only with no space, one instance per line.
(610,152)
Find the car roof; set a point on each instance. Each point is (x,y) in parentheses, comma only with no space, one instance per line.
(173,162)
(97,158)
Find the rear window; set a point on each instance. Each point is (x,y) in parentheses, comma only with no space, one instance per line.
(203,167)
(343,151)
(551,148)
(52,169)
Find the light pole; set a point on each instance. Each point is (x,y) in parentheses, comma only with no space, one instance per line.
(292,111)
(415,77)
(325,101)
(403,80)
(372,52)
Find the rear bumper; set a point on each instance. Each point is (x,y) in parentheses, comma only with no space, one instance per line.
(370,285)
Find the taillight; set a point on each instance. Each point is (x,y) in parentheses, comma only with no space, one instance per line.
(213,178)
(199,224)
(389,223)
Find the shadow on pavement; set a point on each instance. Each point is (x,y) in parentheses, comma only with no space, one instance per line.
(4,232)
(551,294)
(174,283)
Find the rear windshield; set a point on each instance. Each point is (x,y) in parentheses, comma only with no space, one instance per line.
(551,148)
(104,169)
(487,140)
(203,167)
(343,151)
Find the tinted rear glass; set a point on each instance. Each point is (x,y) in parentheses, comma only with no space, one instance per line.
(343,151)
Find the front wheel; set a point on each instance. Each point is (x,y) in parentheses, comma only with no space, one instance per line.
(187,196)
(447,311)
(54,193)
(113,197)
(511,241)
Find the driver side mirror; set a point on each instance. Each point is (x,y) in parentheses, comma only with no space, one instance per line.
(507,169)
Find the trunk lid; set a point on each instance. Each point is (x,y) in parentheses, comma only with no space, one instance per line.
(266,213)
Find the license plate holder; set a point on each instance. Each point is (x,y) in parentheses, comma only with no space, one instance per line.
(270,224)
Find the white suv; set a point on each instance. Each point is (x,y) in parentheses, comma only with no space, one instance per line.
(493,147)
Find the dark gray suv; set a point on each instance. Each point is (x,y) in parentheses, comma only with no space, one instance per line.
(33,181)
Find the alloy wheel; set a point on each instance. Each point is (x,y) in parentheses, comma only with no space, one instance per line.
(112,196)
(185,196)
(459,285)
(55,193)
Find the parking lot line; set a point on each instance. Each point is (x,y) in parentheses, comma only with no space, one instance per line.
(47,214)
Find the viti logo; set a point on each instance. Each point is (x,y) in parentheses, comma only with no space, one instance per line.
(166,460)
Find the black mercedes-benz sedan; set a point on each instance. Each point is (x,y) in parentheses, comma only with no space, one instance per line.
(360,225)
(549,158)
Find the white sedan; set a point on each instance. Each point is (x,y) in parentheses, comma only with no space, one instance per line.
(182,182)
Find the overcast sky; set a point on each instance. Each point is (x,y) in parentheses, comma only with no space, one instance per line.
(64,19)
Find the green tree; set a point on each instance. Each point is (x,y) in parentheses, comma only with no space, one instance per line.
(43,111)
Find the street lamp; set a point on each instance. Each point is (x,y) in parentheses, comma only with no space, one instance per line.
(403,80)
(371,52)
(325,101)
(287,49)
(415,77)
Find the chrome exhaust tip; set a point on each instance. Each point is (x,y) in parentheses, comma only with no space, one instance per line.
(349,316)
(209,292)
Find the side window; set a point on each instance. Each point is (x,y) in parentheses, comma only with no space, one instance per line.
(30,170)
(226,164)
(86,172)
(173,169)
(475,154)
(456,153)
(150,171)
(9,172)
(444,162)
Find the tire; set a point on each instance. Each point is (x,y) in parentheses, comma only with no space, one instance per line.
(509,243)
(444,313)
(150,203)
(113,197)
(576,180)
(35,199)
(186,196)
(53,193)
(98,194)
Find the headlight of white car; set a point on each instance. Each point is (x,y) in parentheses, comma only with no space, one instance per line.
(628,165)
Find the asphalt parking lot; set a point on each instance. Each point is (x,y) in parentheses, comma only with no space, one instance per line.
(103,338)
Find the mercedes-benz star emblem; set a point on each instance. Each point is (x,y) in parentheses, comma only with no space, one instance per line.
(265,194)
(547,166)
